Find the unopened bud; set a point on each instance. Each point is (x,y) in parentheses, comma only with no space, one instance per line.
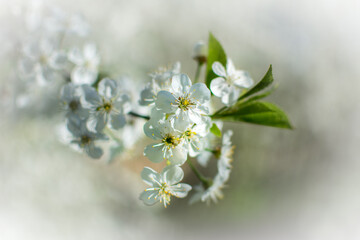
(200,52)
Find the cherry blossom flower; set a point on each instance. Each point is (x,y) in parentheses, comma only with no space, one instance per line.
(163,185)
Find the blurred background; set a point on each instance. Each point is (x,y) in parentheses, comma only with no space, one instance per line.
(300,184)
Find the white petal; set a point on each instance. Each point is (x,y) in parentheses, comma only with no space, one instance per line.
(227,137)
(181,83)
(117,120)
(165,101)
(147,96)
(195,147)
(150,177)
(182,121)
(75,56)
(67,92)
(172,174)
(154,152)
(151,131)
(195,117)
(181,190)
(94,151)
(219,87)
(178,155)
(200,92)
(90,51)
(107,88)
(244,80)
(73,125)
(81,75)
(232,97)
(97,122)
(90,96)
(58,60)
(149,197)
(230,68)
(219,69)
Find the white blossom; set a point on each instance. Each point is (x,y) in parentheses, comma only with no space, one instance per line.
(163,185)
(230,83)
(42,61)
(184,103)
(108,105)
(70,95)
(86,64)
(170,146)
(84,138)
(226,155)
(160,80)
(194,136)
(214,191)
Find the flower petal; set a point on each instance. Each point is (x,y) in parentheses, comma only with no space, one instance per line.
(172,174)
(117,120)
(67,92)
(75,56)
(97,122)
(165,101)
(219,69)
(178,155)
(230,68)
(154,152)
(93,151)
(150,177)
(73,125)
(90,51)
(200,92)
(244,80)
(231,97)
(107,88)
(219,87)
(149,197)
(147,96)
(181,190)
(90,96)
(151,131)
(58,60)
(81,75)
(181,84)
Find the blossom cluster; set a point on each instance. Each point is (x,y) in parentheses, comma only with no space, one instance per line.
(183,119)
(59,57)
(180,125)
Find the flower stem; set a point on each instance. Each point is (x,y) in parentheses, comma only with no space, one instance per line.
(205,181)
(197,74)
(134,114)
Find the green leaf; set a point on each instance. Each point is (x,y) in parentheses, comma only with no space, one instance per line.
(264,83)
(215,53)
(215,130)
(262,113)
(262,95)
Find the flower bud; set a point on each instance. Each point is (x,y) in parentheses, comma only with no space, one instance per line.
(200,52)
